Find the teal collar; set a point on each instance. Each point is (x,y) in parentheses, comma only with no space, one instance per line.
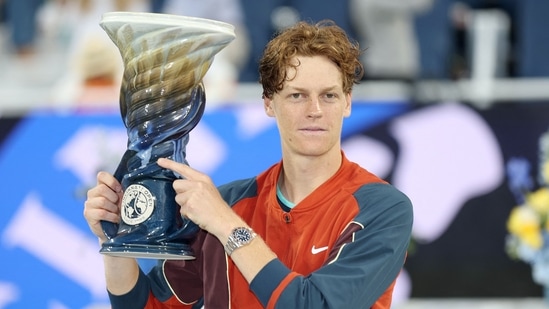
(283,199)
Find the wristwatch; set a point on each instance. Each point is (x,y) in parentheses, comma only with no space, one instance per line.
(239,237)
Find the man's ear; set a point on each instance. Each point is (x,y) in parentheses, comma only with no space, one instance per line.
(348,99)
(268,104)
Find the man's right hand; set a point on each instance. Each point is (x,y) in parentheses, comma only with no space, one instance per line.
(103,203)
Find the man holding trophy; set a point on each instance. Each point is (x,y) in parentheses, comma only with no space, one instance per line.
(315,230)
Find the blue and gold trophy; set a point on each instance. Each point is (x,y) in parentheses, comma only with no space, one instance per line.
(162,99)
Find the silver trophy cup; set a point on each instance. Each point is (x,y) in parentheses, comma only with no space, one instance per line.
(162,99)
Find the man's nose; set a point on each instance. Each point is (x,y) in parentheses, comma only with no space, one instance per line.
(314,109)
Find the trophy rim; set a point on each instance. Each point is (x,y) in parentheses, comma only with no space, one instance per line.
(178,251)
(167,20)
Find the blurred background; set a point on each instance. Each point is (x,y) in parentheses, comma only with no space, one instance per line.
(453,110)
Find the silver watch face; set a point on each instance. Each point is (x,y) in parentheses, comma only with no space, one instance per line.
(242,235)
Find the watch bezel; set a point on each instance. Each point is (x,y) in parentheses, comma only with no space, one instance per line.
(239,237)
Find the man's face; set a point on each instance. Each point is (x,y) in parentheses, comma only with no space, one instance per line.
(310,108)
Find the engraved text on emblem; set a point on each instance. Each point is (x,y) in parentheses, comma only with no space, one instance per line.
(137,204)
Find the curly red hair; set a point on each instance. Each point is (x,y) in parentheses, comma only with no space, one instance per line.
(324,38)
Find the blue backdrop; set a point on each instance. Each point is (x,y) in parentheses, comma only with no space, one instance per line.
(47,162)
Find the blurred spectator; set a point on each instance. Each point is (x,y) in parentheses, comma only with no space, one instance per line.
(386,29)
(22,23)
(98,67)
(222,78)
(94,63)
(532,38)
(445,35)
(489,22)
(317,10)
(436,40)
(156,6)
(264,18)
(460,16)
(257,18)
(2,11)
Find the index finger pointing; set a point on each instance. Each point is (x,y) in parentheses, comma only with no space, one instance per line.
(180,168)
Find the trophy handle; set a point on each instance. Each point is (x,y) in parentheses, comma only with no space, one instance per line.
(110,229)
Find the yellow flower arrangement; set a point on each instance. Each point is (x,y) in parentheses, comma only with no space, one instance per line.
(539,201)
(528,223)
(545,170)
(525,224)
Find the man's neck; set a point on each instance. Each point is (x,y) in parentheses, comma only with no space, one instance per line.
(301,175)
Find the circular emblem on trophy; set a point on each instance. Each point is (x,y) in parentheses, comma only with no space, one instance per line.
(137,204)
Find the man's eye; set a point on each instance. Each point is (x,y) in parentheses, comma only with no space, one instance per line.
(296,95)
(330,96)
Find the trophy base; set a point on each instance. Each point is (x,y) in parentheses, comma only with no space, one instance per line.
(181,252)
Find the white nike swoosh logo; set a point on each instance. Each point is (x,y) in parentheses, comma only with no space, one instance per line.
(315,250)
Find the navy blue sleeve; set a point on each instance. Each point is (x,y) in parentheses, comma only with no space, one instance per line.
(237,190)
(266,281)
(136,298)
